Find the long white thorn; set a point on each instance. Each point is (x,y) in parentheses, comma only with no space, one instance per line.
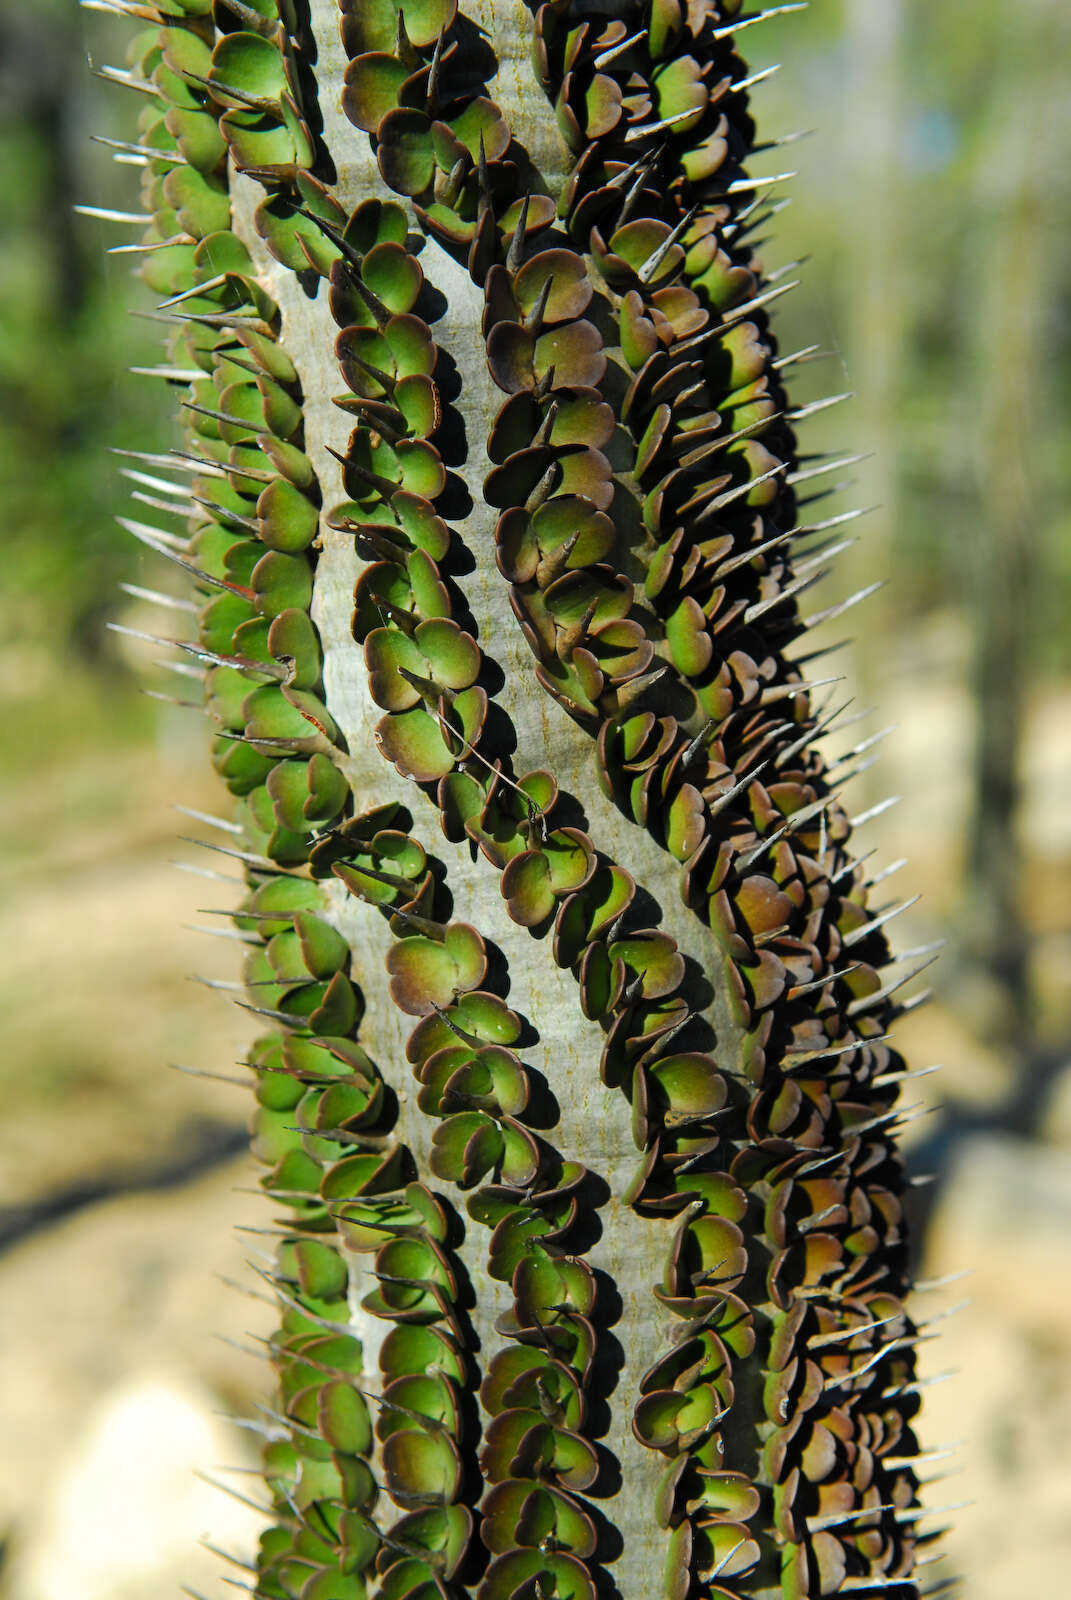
(207,872)
(257,1505)
(782,139)
(809,736)
(178,491)
(832,522)
(886,872)
(743,84)
(157,504)
(831,612)
(826,553)
(224,933)
(827,493)
(171,374)
(875,810)
(612,52)
(136,219)
(125,147)
(933,1285)
(146,249)
(816,406)
(127,80)
(799,989)
(208,819)
(647,269)
(746,556)
(184,669)
(796,820)
(123,8)
(750,185)
(171,700)
(840,1518)
(858,934)
(732,28)
(646,128)
(863,746)
(193,292)
(171,601)
(941,1452)
(917,950)
(251,859)
(919,1384)
(760,608)
(820,1341)
(218,1077)
(949,1311)
(788,691)
(916,1513)
(159,539)
(782,272)
(867,1002)
(885,1078)
(809,352)
(747,222)
(805,474)
(738,313)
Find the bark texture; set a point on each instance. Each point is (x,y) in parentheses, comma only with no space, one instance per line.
(577,1110)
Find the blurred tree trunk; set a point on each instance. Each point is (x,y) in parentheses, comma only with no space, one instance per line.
(40,62)
(874,248)
(1006,370)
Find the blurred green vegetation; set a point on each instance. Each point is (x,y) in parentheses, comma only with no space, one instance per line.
(66,335)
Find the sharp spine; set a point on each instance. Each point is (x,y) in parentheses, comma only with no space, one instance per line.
(831,612)
(744,84)
(875,810)
(805,474)
(732,28)
(208,819)
(171,601)
(858,934)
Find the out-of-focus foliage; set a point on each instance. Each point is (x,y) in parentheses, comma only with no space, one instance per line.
(65,334)
(975,161)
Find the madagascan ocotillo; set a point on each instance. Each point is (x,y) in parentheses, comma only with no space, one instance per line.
(573,1094)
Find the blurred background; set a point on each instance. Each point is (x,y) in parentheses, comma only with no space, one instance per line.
(932,206)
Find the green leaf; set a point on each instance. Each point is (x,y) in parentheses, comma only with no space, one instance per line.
(287,519)
(422,1468)
(343,1419)
(250,63)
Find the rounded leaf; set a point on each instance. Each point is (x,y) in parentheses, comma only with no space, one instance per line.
(421,1469)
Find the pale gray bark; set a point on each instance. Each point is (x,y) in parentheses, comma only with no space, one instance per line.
(595,1122)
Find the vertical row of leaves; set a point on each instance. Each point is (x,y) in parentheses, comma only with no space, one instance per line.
(423,671)
(535,1457)
(322,1126)
(654,107)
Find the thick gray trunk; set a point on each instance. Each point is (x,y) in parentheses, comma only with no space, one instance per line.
(594,1124)
(649,549)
